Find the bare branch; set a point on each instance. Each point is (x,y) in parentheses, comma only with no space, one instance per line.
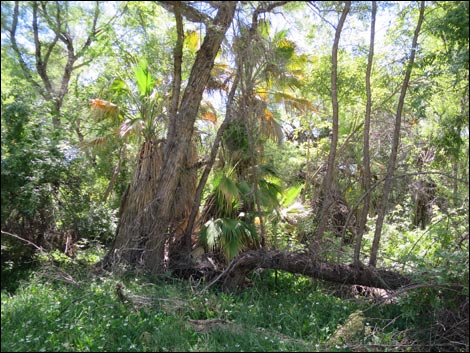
(23,240)
(40,65)
(318,12)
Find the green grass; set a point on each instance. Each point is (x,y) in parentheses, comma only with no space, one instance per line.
(49,313)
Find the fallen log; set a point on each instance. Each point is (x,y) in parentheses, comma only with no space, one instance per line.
(305,263)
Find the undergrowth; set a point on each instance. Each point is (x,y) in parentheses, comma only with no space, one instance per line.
(69,306)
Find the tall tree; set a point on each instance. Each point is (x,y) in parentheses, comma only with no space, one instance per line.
(53,39)
(366,157)
(328,179)
(154,222)
(395,143)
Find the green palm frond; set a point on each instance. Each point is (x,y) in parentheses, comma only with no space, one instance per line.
(119,86)
(246,193)
(227,192)
(229,235)
(145,81)
(210,234)
(290,195)
(269,194)
(267,169)
(285,48)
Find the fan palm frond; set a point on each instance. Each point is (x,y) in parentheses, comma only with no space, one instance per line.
(270,128)
(269,194)
(95,142)
(294,103)
(227,192)
(101,109)
(191,40)
(229,235)
(221,74)
(267,169)
(129,125)
(144,79)
(289,196)
(207,111)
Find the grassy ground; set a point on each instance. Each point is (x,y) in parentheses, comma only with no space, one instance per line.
(71,308)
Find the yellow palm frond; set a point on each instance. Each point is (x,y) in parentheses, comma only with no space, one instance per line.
(294,103)
(95,142)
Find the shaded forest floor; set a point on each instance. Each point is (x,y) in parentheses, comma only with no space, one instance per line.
(69,306)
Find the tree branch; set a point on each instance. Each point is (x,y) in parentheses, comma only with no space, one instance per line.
(24,67)
(189,12)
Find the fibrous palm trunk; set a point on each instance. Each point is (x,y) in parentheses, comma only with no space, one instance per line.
(135,221)
(156,220)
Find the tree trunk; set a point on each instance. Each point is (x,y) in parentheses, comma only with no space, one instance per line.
(128,244)
(366,157)
(156,219)
(209,165)
(396,140)
(133,228)
(179,140)
(303,263)
(328,180)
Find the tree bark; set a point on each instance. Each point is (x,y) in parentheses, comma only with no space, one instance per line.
(303,263)
(396,140)
(328,180)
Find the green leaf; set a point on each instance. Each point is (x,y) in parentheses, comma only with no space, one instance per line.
(291,194)
(231,235)
(268,194)
(264,28)
(285,48)
(145,81)
(118,85)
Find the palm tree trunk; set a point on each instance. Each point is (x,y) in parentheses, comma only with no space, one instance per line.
(158,218)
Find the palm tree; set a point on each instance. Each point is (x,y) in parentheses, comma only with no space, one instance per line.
(142,113)
(243,191)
